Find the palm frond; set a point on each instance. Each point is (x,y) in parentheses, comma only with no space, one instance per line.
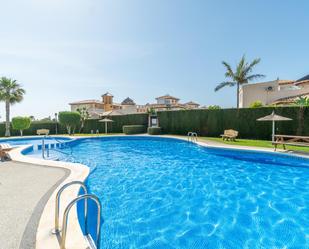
(11,91)
(250,67)
(240,66)
(224,84)
(229,71)
(255,76)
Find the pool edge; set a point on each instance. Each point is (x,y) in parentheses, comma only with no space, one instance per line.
(78,172)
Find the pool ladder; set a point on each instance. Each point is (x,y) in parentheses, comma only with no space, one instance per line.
(192,136)
(46,149)
(63,231)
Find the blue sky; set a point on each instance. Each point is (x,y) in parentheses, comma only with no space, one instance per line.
(68,50)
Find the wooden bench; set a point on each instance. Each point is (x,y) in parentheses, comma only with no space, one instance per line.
(290,140)
(42,132)
(229,135)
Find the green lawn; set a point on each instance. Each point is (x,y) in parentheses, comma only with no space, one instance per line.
(256,143)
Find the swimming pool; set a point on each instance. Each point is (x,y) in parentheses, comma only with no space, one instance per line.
(33,140)
(167,193)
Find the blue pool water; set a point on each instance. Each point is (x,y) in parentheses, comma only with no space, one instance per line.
(166,193)
(33,140)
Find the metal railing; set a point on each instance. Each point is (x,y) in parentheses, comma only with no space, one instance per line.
(63,231)
(57,205)
(192,136)
(66,214)
(44,147)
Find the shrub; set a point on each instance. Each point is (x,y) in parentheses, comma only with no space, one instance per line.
(70,120)
(133,129)
(256,104)
(21,123)
(154,130)
(214,107)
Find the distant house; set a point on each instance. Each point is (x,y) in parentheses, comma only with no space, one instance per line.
(192,105)
(93,106)
(107,107)
(167,102)
(97,108)
(274,92)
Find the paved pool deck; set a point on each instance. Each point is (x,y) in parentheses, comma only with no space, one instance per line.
(24,191)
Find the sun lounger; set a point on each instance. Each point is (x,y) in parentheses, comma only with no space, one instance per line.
(229,135)
(4,149)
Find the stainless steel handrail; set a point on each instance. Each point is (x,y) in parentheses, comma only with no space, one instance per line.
(66,214)
(57,205)
(192,136)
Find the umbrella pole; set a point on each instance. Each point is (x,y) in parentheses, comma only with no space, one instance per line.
(273,133)
(105,127)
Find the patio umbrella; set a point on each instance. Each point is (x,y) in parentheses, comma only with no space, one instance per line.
(273,117)
(106,120)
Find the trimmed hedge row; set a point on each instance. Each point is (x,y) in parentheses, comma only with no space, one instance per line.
(116,126)
(154,130)
(134,129)
(35,125)
(214,122)
(204,122)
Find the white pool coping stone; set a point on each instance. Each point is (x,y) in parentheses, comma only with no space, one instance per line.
(79,172)
(44,237)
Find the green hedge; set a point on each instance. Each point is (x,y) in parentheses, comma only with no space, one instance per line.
(204,122)
(154,130)
(133,129)
(35,125)
(116,126)
(214,122)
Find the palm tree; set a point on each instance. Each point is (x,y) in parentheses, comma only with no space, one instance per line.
(302,101)
(240,76)
(11,93)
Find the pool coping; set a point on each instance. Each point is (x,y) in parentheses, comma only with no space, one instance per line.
(44,237)
(79,172)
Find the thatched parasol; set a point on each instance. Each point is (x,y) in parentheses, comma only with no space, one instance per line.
(273,117)
(106,120)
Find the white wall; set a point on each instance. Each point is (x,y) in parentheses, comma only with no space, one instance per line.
(253,92)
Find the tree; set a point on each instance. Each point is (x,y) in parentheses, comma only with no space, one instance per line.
(21,123)
(302,101)
(84,115)
(70,120)
(11,93)
(240,76)
(214,107)
(256,104)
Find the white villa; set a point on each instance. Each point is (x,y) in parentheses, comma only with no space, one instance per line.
(274,92)
(97,108)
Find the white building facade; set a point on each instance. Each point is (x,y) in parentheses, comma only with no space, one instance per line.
(272,92)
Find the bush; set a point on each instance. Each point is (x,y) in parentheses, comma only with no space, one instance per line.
(133,129)
(154,130)
(256,104)
(214,107)
(21,123)
(70,120)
